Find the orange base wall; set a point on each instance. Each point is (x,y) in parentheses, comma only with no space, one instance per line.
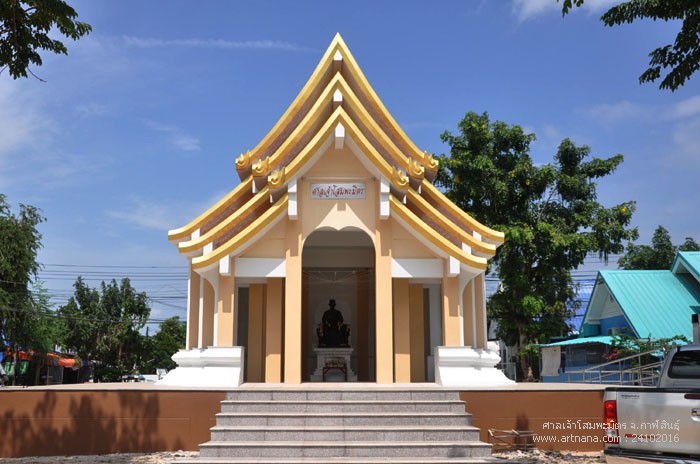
(74,422)
(563,415)
(77,422)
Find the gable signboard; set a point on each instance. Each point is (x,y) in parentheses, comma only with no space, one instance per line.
(338,190)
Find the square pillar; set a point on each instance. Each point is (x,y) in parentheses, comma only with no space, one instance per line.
(273,330)
(206,314)
(256,342)
(225,306)
(417,337)
(293,304)
(362,330)
(402,332)
(383,294)
(193,310)
(451,321)
(469,314)
(480,310)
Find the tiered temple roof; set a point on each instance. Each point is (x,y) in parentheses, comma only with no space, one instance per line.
(337,103)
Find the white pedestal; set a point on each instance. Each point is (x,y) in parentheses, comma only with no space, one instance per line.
(215,366)
(324,355)
(462,366)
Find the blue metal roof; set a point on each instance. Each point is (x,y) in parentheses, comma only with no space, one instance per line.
(583,340)
(658,304)
(690,261)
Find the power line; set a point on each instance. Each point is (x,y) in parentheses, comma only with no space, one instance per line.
(55,315)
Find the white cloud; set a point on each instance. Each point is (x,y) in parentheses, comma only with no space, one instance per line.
(610,113)
(31,154)
(686,137)
(685,109)
(176,137)
(146,214)
(529,9)
(162,216)
(624,111)
(220,44)
(89,110)
(23,123)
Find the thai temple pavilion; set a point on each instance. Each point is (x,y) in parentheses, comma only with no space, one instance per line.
(336,203)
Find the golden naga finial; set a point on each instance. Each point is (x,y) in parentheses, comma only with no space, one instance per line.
(276,179)
(261,167)
(243,161)
(399,179)
(429,162)
(415,169)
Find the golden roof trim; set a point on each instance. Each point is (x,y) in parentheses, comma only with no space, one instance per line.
(187,230)
(243,236)
(435,238)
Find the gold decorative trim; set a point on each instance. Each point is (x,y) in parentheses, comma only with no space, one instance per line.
(232,196)
(433,237)
(243,161)
(216,232)
(352,66)
(277,179)
(244,236)
(415,169)
(433,193)
(450,226)
(261,167)
(429,162)
(325,62)
(399,179)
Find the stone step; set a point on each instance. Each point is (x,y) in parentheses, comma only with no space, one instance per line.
(351,434)
(315,449)
(300,419)
(319,406)
(342,395)
(344,460)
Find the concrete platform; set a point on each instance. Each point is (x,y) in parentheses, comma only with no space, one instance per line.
(107,418)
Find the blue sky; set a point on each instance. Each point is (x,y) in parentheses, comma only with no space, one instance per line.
(136,131)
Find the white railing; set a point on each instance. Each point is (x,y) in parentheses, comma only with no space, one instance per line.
(624,371)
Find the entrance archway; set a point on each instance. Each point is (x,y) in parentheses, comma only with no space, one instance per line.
(339,265)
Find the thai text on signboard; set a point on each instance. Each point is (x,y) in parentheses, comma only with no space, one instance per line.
(338,190)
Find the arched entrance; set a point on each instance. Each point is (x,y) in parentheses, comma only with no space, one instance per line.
(339,265)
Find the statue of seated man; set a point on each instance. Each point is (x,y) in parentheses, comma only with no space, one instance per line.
(333,332)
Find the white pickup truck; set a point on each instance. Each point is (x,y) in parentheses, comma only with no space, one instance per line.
(659,424)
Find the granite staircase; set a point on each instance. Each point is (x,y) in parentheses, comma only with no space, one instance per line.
(349,426)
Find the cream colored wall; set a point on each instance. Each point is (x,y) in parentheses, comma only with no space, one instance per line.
(272,245)
(338,166)
(405,245)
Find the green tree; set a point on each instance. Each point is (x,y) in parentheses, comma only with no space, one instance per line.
(104,326)
(25,27)
(682,58)
(20,242)
(549,215)
(689,245)
(164,344)
(659,255)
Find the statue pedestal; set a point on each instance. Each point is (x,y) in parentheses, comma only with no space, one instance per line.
(333,361)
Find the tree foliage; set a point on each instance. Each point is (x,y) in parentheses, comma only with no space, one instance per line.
(24,30)
(659,255)
(549,214)
(104,326)
(682,58)
(20,242)
(161,347)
